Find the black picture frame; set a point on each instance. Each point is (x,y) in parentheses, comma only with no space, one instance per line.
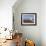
(29,19)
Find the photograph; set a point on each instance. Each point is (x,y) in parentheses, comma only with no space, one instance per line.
(28,18)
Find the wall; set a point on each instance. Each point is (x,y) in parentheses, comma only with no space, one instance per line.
(29,32)
(6,16)
(6,13)
(43,22)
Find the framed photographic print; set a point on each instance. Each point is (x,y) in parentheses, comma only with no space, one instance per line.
(28,18)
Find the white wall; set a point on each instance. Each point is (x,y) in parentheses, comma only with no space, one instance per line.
(43,22)
(29,32)
(6,13)
(6,16)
